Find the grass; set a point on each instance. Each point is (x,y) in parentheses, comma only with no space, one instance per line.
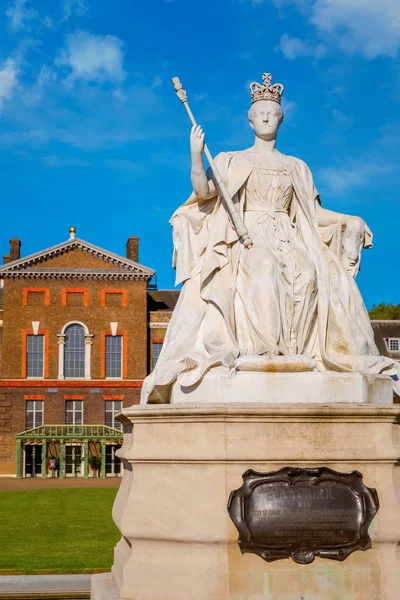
(57,531)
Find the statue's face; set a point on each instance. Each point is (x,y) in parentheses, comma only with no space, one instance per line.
(265,117)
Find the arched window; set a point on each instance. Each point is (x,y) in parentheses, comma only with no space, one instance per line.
(74,351)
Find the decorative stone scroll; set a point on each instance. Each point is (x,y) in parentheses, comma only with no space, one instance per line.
(303,513)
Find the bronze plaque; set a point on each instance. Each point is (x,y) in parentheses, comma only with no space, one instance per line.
(303,513)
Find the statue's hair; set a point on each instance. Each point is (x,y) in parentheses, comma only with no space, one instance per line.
(250,113)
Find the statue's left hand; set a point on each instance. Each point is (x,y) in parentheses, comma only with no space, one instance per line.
(356,235)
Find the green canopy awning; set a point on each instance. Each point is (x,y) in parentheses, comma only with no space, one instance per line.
(70,432)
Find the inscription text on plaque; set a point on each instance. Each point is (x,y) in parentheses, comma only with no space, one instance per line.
(303,513)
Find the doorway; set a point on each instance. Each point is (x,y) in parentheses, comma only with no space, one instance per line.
(73,460)
(33,460)
(113,463)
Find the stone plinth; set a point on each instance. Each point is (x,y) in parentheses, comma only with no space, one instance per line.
(181,463)
(305,388)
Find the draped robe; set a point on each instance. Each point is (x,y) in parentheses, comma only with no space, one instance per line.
(202,335)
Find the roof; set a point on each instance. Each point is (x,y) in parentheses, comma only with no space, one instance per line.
(383,330)
(162,299)
(124,268)
(57,432)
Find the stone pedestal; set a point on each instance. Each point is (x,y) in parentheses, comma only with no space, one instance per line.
(280,388)
(181,463)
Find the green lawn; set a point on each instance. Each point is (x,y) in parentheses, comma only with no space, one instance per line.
(57,530)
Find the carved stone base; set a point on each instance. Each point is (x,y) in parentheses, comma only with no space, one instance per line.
(268,387)
(181,463)
(103,587)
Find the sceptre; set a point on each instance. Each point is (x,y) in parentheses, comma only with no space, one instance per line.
(236,219)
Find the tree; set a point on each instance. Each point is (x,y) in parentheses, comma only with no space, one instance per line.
(385,312)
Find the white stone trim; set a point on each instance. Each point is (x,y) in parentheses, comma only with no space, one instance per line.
(161,325)
(88,355)
(71,244)
(61,341)
(78,275)
(88,350)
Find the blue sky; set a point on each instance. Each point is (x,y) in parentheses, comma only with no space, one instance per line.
(92,134)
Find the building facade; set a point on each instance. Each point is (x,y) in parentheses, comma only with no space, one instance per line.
(80,330)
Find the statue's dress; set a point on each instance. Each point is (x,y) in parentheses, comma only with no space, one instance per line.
(288,294)
(276,286)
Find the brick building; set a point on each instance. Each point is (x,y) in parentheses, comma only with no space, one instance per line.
(80,330)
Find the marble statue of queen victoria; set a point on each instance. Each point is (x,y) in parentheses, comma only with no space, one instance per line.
(291,294)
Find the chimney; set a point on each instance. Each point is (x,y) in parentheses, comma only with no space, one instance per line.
(6,259)
(132,248)
(15,249)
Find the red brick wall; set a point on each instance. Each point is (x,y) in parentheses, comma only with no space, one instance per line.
(13,411)
(131,318)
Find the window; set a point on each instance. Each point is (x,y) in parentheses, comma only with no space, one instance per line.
(156,353)
(34,414)
(74,351)
(35,356)
(112,407)
(113,356)
(394,344)
(113,463)
(74,412)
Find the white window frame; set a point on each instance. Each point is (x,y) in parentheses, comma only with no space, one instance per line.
(122,356)
(34,413)
(44,354)
(113,420)
(88,351)
(153,364)
(74,411)
(397,340)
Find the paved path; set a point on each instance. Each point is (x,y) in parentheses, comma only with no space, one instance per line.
(10,484)
(35,585)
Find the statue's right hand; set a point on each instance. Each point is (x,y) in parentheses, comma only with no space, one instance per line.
(196,140)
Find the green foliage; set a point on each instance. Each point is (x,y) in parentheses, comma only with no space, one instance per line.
(385,312)
(95,462)
(57,531)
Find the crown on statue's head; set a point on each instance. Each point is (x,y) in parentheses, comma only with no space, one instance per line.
(266,91)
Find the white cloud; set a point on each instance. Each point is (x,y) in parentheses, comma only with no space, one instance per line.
(34,94)
(157,82)
(92,57)
(289,108)
(370,28)
(78,7)
(367,27)
(19,14)
(357,174)
(293,48)
(8,80)
(340,179)
(345,121)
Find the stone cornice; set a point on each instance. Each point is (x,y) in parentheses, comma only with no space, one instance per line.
(78,275)
(252,412)
(71,383)
(21,268)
